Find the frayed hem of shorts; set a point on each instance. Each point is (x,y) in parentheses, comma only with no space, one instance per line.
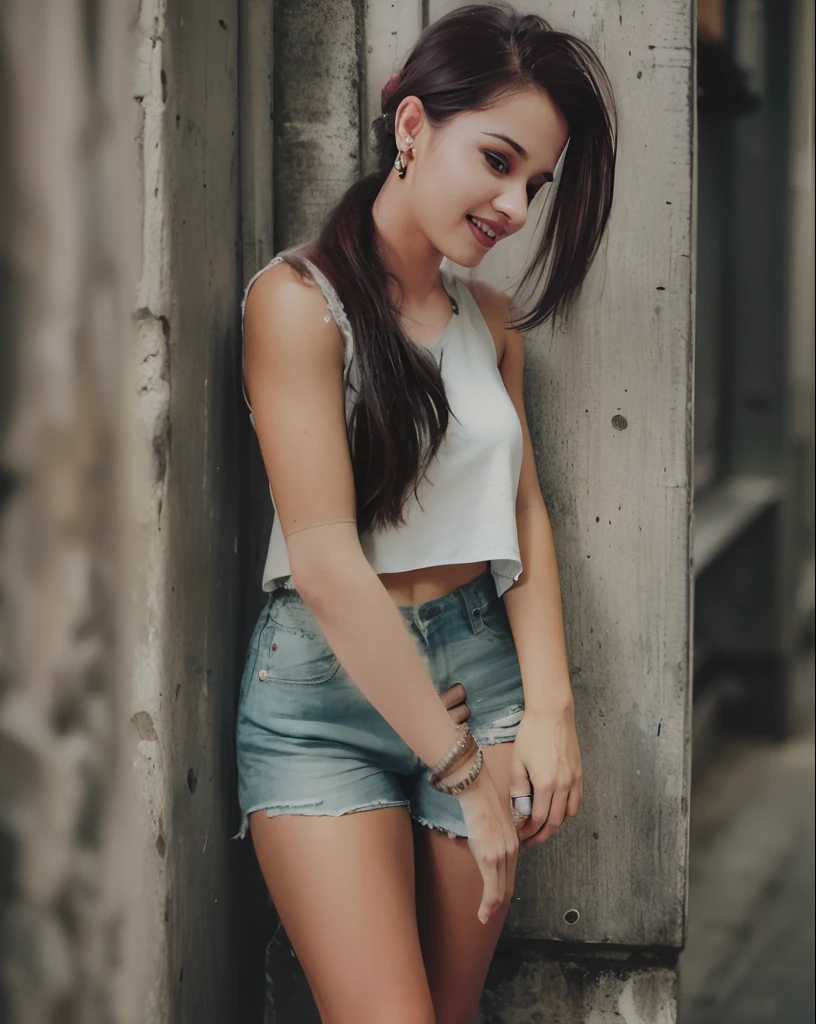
(313,808)
(451,833)
(503,730)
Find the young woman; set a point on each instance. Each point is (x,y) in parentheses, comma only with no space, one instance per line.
(412,578)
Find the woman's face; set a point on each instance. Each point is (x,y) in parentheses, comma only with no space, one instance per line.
(463,170)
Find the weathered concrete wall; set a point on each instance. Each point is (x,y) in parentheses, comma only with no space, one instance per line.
(610,407)
(189,574)
(610,410)
(578,990)
(71,930)
(317,149)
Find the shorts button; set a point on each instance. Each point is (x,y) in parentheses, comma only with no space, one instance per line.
(274,647)
(262,674)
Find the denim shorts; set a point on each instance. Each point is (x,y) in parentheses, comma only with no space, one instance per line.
(310,742)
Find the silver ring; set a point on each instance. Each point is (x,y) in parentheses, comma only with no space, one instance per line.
(523,805)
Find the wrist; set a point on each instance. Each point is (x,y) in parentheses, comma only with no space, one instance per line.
(476,789)
(445,738)
(555,703)
(461,768)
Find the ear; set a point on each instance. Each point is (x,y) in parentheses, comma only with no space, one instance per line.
(410,117)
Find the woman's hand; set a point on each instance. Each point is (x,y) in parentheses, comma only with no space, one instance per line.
(454,700)
(492,835)
(492,839)
(547,763)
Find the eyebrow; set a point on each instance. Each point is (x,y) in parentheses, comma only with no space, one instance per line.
(522,152)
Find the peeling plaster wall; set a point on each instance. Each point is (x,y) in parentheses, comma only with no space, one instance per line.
(189,579)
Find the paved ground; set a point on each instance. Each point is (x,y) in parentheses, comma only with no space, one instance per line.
(749,958)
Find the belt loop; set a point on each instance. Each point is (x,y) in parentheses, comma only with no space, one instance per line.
(470,604)
(417,618)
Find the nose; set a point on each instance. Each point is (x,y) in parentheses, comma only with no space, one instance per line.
(512,206)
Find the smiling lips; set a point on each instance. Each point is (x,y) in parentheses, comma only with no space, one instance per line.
(481,235)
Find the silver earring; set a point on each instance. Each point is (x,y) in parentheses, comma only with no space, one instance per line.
(401,164)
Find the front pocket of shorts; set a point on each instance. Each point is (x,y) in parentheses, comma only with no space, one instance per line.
(495,620)
(294,650)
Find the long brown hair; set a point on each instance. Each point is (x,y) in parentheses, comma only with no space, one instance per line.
(464,61)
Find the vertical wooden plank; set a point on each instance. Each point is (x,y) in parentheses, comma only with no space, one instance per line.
(610,410)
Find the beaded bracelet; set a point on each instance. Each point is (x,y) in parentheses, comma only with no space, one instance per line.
(464,755)
(463,784)
(453,754)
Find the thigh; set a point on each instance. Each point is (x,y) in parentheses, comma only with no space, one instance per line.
(457,948)
(344,888)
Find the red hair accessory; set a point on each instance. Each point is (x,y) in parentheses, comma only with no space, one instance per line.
(388,88)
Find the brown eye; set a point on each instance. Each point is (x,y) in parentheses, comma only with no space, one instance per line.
(490,156)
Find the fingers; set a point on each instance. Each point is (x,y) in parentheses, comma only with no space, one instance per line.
(460,713)
(511,853)
(501,880)
(519,820)
(558,810)
(507,863)
(453,695)
(497,862)
(453,699)
(492,867)
(520,785)
(542,798)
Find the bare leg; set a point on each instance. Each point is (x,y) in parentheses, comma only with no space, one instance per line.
(456,946)
(344,889)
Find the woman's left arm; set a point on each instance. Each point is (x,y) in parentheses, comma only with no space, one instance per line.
(547,758)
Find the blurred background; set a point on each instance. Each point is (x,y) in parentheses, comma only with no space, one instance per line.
(138,143)
(750,947)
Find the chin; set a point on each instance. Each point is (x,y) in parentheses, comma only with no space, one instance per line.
(464,256)
(459,249)
(472,260)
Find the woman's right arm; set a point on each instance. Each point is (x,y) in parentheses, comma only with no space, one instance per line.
(293,364)
(293,368)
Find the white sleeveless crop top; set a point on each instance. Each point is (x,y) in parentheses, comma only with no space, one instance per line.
(465,507)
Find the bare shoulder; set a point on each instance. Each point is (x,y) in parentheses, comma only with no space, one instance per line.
(495,308)
(291,308)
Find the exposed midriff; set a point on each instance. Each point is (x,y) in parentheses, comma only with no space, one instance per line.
(416,586)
